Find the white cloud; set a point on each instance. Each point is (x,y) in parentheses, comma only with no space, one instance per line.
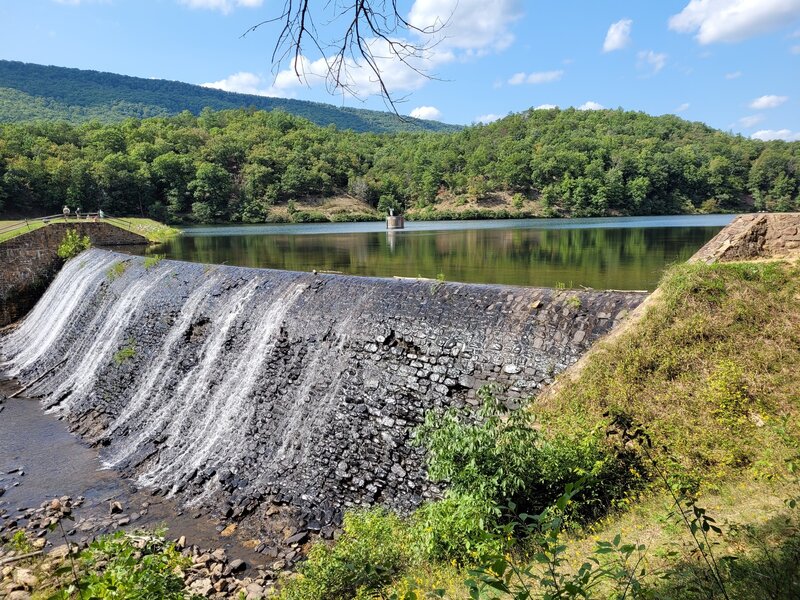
(426,112)
(682,108)
(474,26)
(487,118)
(733,20)
(733,75)
(618,35)
(536,78)
(750,121)
(769,101)
(777,134)
(224,6)
(590,105)
(243,83)
(546,107)
(655,61)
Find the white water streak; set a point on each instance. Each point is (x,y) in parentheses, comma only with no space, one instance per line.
(48,320)
(146,399)
(110,325)
(215,422)
(182,403)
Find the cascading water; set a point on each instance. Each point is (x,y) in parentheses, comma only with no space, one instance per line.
(59,306)
(250,384)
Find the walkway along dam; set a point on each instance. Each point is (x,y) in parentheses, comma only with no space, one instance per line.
(233,388)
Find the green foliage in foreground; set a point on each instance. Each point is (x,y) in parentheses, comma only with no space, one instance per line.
(370,553)
(73,244)
(122,566)
(503,459)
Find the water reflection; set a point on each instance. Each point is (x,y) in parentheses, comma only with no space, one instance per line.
(602,257)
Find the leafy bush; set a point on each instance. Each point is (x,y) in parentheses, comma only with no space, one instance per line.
(502,459)
(73,244)
(458,527)
(133,568)
(308,216)
(373,548)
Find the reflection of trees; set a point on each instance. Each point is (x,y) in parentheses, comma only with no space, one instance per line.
(601,258)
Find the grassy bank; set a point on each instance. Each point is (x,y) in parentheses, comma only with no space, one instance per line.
(17,228)
(665,468)
(152,230)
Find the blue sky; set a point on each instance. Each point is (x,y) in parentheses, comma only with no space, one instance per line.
(734,64)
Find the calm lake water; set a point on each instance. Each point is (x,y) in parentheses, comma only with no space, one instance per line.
(612,253)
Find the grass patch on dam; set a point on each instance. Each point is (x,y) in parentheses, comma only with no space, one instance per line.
(665,467)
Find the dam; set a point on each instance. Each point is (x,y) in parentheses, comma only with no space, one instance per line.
(231,388)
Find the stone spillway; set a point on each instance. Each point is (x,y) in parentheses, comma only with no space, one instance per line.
(213,382)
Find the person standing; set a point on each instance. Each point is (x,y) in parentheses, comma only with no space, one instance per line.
(66,212)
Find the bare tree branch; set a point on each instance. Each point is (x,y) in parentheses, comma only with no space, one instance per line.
(367,34)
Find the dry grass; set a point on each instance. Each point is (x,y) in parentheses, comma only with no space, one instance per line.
(336,208)
(712,369)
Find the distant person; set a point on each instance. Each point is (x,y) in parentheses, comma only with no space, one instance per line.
(78,213)
(101,213)
(66,212)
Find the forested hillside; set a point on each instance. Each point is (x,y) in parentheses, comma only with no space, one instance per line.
(30,92)
(255,166)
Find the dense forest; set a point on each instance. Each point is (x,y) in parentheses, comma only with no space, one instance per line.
(245,165)
(30,92)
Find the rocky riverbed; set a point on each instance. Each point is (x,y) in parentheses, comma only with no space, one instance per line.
(49,478)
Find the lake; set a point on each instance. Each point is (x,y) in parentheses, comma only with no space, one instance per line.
(626,253)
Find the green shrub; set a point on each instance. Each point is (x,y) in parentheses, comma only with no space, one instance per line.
(153,260)
(125,353)
(132,567)
(458,527)
(116,270)
(73,244)
(372,550)
(502,459)
(308,216)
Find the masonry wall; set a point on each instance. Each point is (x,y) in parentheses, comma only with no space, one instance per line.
(254,385)
(28,263)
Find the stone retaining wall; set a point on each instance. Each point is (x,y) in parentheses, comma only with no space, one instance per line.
(28,262)
(255,385)
(762,235)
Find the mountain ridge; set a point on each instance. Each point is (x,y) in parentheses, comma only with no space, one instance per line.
(30,92)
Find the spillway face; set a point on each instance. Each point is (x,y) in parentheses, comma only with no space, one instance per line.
(250,385)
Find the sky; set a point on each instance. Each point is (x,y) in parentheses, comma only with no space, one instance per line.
(733,64)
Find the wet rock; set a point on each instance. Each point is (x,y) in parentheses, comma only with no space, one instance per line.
(237,565)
